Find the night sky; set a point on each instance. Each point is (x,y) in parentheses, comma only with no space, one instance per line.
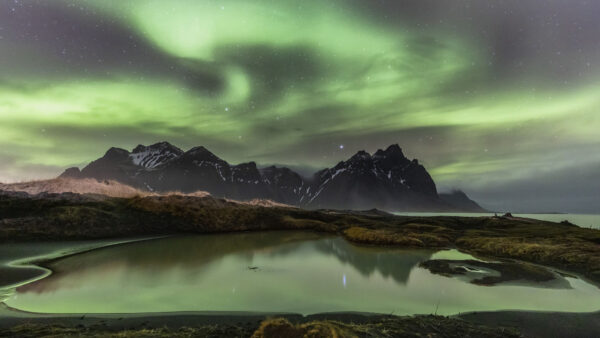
(499,98)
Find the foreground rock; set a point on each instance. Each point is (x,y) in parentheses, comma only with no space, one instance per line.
(73,216)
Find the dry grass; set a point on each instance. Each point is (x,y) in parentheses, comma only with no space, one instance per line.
(79,186)
(405,236)
(260,202)
(109,188)
(569,253)
(417,326)
(281,327)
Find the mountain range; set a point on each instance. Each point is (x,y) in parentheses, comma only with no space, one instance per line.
(385,180)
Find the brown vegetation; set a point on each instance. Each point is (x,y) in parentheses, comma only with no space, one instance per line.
(72,217)
(388,326)
(561,245)
(108,188)
(281,327)
(381,326)
(79,186)
(409,235)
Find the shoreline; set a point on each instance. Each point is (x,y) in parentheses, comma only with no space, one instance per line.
(72,217)
(44,261)
(40,261)
(526,323)
(562,247)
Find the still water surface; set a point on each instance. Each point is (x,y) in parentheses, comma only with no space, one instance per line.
(275,272)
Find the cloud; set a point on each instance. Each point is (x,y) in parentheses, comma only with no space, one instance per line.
(481,93)
(574,189)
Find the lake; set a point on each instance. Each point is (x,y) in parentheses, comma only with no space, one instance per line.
(582,220)
(299,272)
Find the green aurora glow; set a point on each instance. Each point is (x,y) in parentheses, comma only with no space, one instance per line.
(288,82)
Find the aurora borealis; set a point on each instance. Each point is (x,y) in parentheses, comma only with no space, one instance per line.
(499,98)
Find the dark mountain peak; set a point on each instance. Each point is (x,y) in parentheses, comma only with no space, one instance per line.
(247,165)
(392,159)
(270,170)
(457,192)
(274,174)
(72,172)
(160,146)
(360,156)
(154,155)
(201,153)
(392,151)
(386,179)
(116,153)
(457,199)
(280,171)
(197,150)
(394,148)
(246,173)
(138,149)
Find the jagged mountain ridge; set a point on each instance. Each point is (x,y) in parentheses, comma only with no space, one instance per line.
(385,180)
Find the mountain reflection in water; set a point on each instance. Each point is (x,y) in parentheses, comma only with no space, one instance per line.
(192,256)
(300,272)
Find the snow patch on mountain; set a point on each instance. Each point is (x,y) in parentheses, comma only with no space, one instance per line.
(154,155)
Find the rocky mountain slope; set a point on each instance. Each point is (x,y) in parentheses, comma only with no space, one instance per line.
(385,180)
(460,201)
